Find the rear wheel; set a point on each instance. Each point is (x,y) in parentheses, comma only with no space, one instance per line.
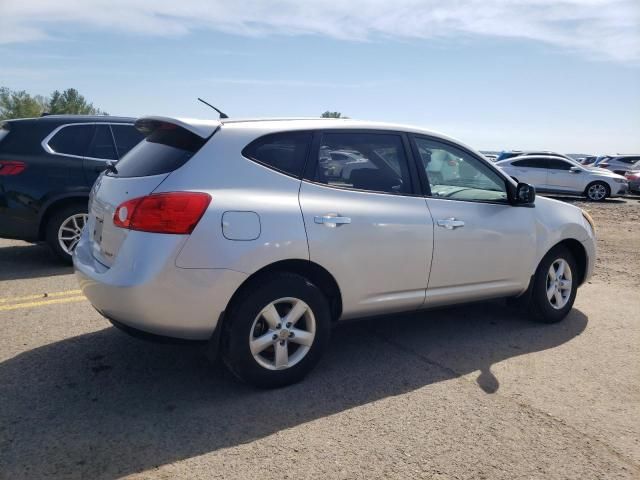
(276,331)
(597,191)
(64,228)
(554,286)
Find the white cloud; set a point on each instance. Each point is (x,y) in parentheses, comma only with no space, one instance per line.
(607,29)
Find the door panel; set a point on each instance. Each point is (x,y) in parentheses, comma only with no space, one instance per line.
(483,246)
(560,177)
(381,258)
(533,176)
(489,256)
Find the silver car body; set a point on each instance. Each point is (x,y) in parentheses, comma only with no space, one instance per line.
(571,178)
(394,255)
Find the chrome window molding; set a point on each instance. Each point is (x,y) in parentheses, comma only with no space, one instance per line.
(47,139)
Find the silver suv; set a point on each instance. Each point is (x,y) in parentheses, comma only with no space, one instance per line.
(257,236)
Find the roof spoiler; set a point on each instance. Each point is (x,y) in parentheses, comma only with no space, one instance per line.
(202,128)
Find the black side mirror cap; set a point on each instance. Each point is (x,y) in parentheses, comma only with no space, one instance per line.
(525,195)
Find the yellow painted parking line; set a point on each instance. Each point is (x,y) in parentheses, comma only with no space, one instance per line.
(41,295)
(16,306)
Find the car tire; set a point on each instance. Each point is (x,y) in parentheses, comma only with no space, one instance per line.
(597,191)
(257,342)
(550,300)
(63,230)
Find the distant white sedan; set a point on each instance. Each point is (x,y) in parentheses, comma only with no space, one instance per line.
(558,175)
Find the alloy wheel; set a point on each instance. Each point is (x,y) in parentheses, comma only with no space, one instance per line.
(597,192)
(559,283)
(282,333)
(70,231)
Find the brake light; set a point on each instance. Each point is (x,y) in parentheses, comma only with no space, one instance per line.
(11,168)
(172,212)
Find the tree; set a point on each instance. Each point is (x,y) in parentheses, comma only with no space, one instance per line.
(20,104)
(329,114)
(71,102)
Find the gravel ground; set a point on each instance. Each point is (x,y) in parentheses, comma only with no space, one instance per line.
(471,392)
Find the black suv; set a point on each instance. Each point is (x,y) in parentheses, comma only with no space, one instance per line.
(47,168)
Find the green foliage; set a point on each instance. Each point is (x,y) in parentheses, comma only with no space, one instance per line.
(20,104)
(329,114)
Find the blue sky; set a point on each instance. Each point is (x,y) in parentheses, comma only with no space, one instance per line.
(566,79)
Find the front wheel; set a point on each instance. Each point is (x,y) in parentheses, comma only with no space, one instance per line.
(554,286)
(276,330)
(597,191)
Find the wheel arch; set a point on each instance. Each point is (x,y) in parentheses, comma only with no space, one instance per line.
(315,273)
(579,254)
(56,204)
(603,182)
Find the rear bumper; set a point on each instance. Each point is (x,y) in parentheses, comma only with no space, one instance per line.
(144,290)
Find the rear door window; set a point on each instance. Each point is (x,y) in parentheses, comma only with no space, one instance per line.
(102,145)
(166,148)
(285,152)
(72,140)
(126,137)
(375,162)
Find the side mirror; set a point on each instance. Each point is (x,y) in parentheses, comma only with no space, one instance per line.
(525,195)
(575,169)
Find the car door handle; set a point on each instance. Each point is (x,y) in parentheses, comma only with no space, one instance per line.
(331,220)
(450,223)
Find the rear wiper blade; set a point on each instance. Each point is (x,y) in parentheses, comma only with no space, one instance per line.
(111,167)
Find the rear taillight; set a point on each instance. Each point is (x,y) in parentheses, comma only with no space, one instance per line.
(172,212)
(632,175)
(10,167)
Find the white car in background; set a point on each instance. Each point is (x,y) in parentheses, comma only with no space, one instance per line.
(558,175)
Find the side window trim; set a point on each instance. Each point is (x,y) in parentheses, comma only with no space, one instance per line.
(426,186)
(47,139)
(314,157)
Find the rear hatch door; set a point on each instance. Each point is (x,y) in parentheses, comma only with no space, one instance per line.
(169,144)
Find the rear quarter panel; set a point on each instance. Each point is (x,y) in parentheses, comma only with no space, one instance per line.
(237,184)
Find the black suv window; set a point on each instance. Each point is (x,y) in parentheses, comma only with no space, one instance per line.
(285,152)
(72,140)
(530,163)
(102,144)
(554,164)
(127,137)
(364,161)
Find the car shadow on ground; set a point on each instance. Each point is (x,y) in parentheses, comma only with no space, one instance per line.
(29,261)
(103,405)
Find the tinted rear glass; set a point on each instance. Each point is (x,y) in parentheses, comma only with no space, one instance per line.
(285,152)
(166,149)
(127,137)
(72,140)
(530,163)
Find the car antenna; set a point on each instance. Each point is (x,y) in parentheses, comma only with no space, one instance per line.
(220,112)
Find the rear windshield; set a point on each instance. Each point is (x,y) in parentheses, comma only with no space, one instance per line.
(166,148)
